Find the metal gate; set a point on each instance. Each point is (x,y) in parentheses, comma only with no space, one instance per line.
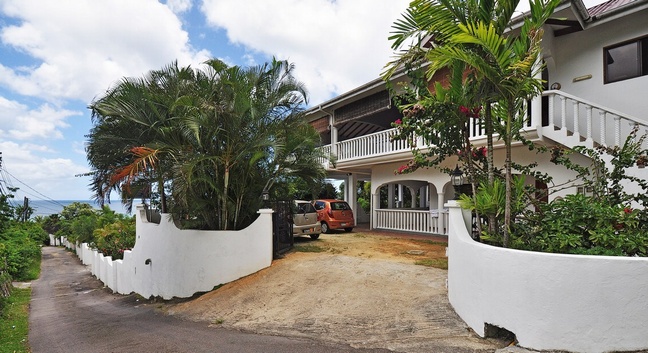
(282,232)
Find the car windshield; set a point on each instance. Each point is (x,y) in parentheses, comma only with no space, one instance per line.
(340,206)
(305,207)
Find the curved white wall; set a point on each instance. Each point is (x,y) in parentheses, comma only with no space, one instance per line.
(183,262)
(550,301)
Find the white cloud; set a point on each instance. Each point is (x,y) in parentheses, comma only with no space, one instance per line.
(53,177)
(335,45)
(18,121)
(179,6)
(84,46)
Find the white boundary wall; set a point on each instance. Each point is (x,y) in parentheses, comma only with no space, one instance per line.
(550,301)
(169,262)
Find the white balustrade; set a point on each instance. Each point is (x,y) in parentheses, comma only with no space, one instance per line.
(418,221)
(607,128)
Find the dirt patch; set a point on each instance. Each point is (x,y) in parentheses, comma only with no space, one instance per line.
(359,288)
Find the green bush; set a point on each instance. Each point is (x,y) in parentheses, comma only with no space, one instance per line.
(115,238)
(581,224)
(22,250)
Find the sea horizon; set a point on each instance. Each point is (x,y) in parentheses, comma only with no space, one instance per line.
(45,208)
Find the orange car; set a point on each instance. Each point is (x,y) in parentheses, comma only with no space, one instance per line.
(334,214)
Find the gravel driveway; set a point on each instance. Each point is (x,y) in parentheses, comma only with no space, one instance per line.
(361,289)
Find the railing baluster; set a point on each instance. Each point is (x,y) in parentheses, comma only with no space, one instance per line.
(617,130)
(563,113)
(576,119)
(602,115)
(551,110)
(588,112)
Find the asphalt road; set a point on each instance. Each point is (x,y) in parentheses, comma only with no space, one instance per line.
(71,312)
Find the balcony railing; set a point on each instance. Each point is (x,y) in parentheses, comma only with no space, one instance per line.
(381,143)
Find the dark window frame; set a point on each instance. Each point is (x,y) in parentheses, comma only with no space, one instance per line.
(642,59)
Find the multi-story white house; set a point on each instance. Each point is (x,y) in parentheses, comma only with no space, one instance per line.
(597,90)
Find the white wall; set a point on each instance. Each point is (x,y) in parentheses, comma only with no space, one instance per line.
(550,301)
(581,53)
(183,262)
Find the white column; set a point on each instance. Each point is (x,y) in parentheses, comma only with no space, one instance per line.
(536,102)
(352,194)
(440,197)
(400,195)
(390,195)
(334,136)
(412,197)
(375,204)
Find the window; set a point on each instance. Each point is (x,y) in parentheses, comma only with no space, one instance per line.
(626,60)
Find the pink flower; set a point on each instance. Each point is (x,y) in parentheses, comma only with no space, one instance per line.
(398,122)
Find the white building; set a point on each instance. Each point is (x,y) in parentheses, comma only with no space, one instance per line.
(597,91)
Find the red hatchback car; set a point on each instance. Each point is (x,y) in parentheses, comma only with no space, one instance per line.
(334,214)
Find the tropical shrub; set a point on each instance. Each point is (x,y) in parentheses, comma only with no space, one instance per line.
(21,251)
(115,238)
(611,221)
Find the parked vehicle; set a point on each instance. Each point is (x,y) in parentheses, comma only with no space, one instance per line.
(306,220)
(335,214)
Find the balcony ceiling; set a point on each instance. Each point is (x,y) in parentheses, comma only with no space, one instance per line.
(369,124)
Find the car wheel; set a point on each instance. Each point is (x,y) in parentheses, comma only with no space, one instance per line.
(314,236)
(325,227)
(348,229)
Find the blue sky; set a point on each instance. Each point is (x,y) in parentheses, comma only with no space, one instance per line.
(57,56)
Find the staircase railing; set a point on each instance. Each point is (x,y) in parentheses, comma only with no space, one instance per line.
(575,121)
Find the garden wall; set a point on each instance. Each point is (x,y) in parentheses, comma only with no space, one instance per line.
(169,262)
(549,301)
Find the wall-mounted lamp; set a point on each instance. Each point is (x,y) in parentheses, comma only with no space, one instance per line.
(456,177)
(556,86)
(147,262)
(265,196)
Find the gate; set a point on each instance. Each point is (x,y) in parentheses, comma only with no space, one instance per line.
(282,227)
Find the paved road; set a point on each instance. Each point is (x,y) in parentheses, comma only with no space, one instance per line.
(72,312)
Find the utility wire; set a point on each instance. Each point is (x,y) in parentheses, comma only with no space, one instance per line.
(45,198)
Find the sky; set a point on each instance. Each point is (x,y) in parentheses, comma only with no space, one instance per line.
(56,57)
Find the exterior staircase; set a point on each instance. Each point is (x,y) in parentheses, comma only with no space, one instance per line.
(576,122)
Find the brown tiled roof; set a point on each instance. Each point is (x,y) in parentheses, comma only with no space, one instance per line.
(607,6)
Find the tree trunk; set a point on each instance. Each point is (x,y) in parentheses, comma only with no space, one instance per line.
(507,166)
(490,161)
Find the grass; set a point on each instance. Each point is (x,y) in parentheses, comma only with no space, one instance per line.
(436,263)
(309,248)
(432,242)
(14,322)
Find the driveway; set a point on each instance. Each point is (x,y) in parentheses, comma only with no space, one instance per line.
(346,292)
(362,289)
(71,312)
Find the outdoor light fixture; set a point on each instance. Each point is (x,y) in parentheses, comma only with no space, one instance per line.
(456,177)
(265,196)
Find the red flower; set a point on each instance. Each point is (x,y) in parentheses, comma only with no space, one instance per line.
(398,122)
(627,210)
(470,113)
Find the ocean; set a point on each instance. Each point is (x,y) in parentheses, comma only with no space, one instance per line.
(47,207)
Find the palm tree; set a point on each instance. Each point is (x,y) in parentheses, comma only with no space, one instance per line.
(211,138)
(135,130)
(499,64)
